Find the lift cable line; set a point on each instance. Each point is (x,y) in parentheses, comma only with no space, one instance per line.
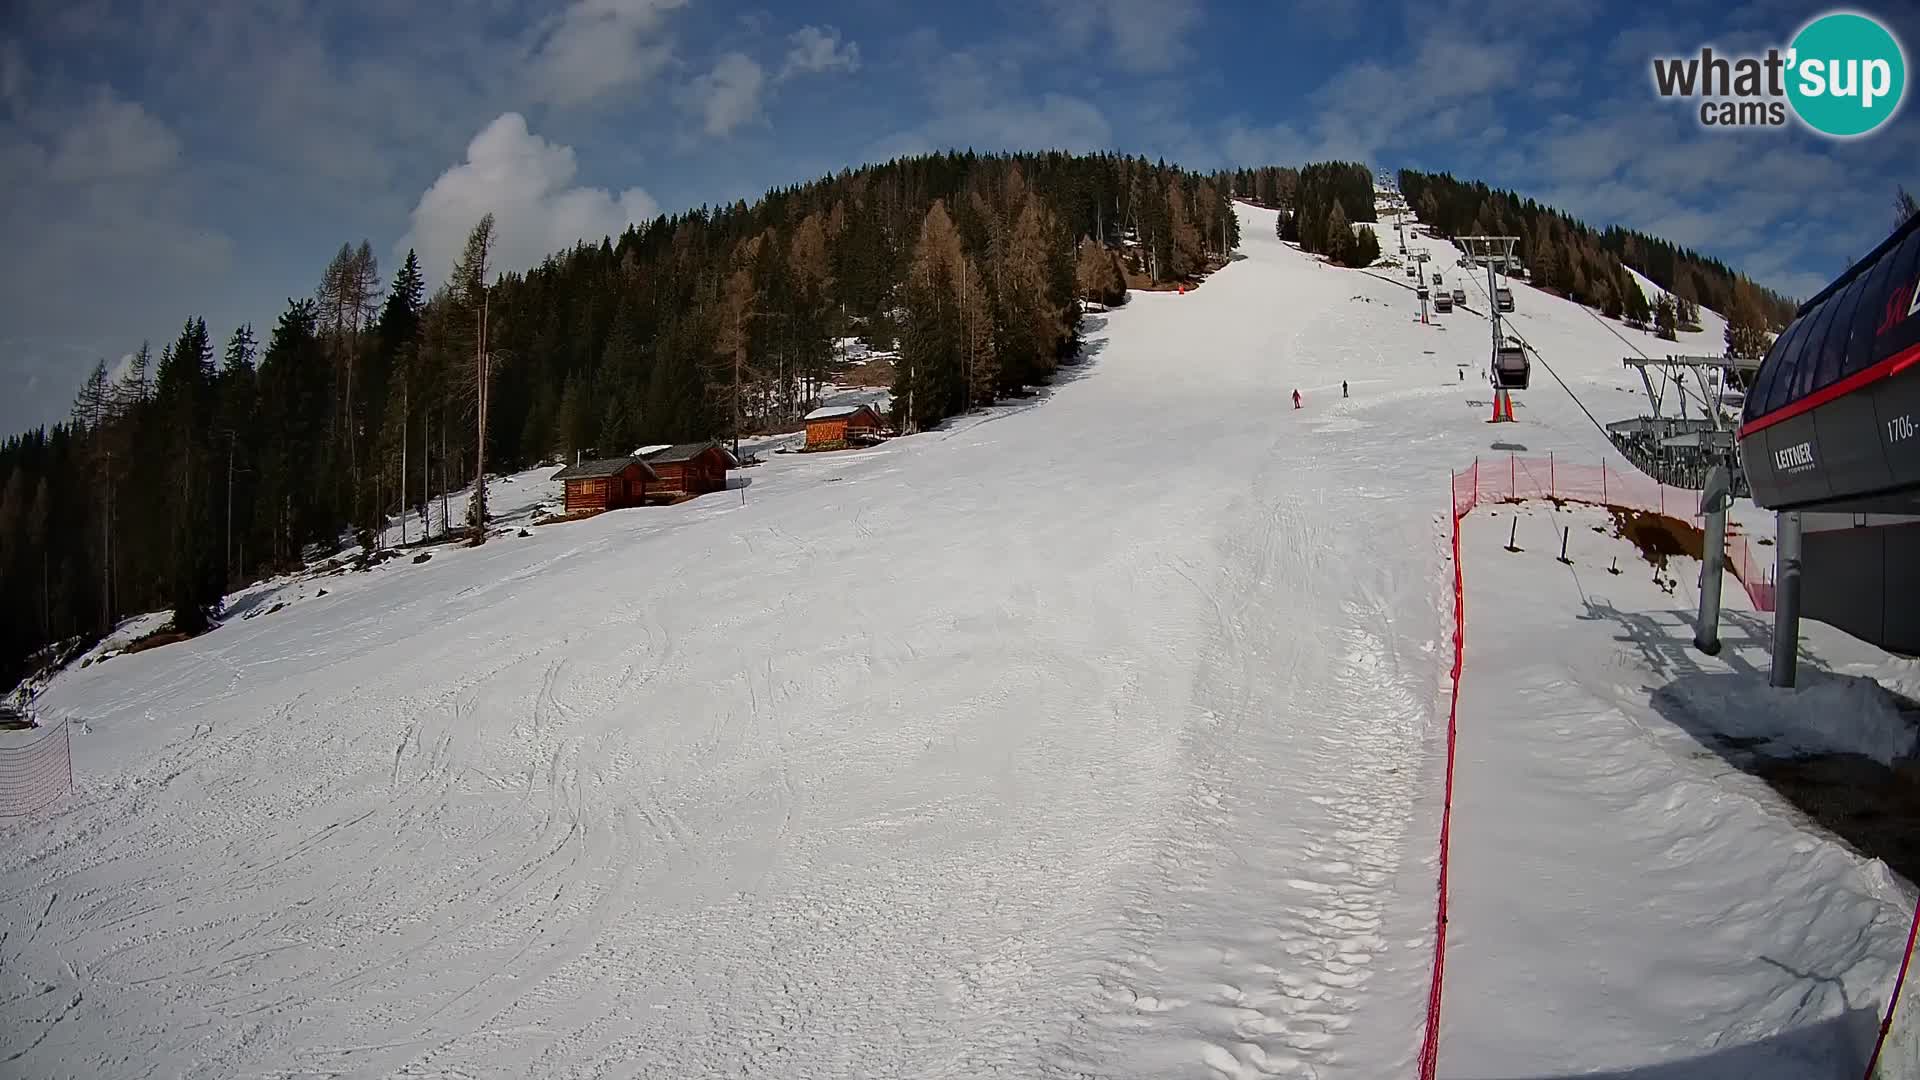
(1528,346)
(1508,366)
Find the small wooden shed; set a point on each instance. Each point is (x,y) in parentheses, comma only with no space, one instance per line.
(833,425)
(691,468)
(606,483)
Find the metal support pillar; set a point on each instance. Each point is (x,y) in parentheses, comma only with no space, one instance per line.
(1713,504)
(1786,599)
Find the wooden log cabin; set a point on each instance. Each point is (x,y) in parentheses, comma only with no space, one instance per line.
(834,426)
(690,468)
(606,483)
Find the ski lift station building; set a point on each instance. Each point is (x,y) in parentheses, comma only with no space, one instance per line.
(1831,429)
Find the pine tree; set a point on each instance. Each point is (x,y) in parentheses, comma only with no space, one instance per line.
(237,432)
(574,420)
(183,392)
(930,377)
(1634,300)
(1364,250)
(539,434)
(1338,243)
(1666,317)
(400,317)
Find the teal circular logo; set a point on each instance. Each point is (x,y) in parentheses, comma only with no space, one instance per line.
(1846,74)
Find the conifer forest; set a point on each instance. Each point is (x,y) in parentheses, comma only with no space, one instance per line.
(208,461)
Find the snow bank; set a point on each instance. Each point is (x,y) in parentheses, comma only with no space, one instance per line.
(1615,861)
(1825,714)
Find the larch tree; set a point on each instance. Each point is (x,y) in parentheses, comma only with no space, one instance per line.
(1746,333)
(1184,248)
(1097,275)
(732,342)
(470,279)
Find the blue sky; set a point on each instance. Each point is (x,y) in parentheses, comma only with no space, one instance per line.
(168,159)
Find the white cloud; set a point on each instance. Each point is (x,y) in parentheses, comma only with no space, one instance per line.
(598,46)
(727,96)
(13,77)
(1144,35)
(1278,144)
(1050,122)
(526,183)
(975,100)
(102,244)
(1368,107)
(818,49)
(111,139)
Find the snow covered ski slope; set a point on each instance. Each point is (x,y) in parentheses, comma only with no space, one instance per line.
(1096,735)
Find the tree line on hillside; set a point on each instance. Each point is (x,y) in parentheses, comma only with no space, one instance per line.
(1567,256)
(1270,186)
(182,475)
(1329,199)
(1319,206)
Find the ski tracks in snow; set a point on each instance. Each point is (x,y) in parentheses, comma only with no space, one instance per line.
(1248,941)
(1258,927)
(1090,749)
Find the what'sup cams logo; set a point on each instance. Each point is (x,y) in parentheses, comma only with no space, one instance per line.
(1843,75)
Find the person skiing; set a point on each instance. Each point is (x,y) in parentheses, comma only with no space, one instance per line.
(1343,388)
(1296,399)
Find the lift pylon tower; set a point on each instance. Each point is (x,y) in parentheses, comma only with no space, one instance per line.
(1498,252)
(1680,448)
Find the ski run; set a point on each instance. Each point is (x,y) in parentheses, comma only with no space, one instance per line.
(1100,734)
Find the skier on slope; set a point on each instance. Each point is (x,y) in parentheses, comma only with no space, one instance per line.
(1296,399)
(1343,388)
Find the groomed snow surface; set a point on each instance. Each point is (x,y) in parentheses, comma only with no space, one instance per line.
(1097,735)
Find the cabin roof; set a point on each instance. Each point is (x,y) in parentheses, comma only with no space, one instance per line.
(835,412)
(680,452)
(595,468)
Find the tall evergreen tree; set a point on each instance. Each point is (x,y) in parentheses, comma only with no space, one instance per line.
(1666,317)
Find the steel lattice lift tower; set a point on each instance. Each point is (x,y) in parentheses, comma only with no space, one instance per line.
(1509,369)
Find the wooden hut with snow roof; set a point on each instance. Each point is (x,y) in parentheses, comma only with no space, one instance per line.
(834,426)
(606,483)
(689,468)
